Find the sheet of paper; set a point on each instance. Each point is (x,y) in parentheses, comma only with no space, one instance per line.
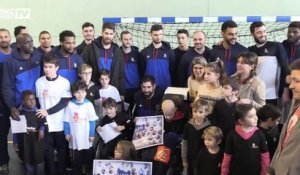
(177,90)
(19,126)
(108,132)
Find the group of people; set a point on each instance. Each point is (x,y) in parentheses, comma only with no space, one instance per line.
(228,124)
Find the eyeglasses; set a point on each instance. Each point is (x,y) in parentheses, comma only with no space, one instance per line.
(86,73)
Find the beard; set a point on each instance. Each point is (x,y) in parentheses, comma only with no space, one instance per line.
(4,44)
(148,94)
(107,41)
(70,51)
(293,40)
(260,41)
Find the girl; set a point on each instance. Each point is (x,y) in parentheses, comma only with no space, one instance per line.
(246,150)
(125,150)
(192,140)
(196,79)
(252,89)
(211,89)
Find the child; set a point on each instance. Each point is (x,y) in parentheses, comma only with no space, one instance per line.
(191,138)
(209,159)
(79,127)
(92,91)
(106,150)
(223,112)
(196,78)
(31,145)
(246,150)
(269,116)
(125,150)
(211,89)
(53,92)
(108,90)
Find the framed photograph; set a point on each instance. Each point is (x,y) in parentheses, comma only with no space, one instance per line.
(121,167)
(148,131)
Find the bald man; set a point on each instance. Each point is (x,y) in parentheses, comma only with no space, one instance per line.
(20,72)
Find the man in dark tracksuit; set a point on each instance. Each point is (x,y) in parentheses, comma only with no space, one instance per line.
(292,43)
(199,49)
(183,47)
(272,67)
(69,60)
(88,32)
(104,54)
(131,57)
(229,49)
(158,59)
(5,52)
(21,71)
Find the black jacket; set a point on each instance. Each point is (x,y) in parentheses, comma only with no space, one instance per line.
(90,56)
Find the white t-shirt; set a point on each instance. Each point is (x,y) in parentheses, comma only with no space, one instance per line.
(111,91)
(79,116)
(268,71)
(49,94)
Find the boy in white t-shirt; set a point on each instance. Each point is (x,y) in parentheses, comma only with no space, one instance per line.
(107,91)
(79,127)
(53,92)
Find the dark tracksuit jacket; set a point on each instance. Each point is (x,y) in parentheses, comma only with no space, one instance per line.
(81,47)
(293,52)
(228,56)
(184,68)
(132,68)
(4,117)
(99,58)
(67,65)
(159,63)
(18,75)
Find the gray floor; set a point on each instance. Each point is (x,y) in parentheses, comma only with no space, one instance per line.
(15,167)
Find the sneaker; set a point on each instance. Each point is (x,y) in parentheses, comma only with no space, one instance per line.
(4,169)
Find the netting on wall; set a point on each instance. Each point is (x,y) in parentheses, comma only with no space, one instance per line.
(276,31)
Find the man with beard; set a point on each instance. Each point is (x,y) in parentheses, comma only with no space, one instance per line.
(103,53)
(292,43)
(272,66)
(229,48)
(69,60)
(45,42)
(199,49)
(131,58)
(88,34)
(5,52)
(183,47)
(148,99)
(158,59)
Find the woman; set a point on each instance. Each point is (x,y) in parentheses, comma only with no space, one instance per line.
(252,89)
(196,78)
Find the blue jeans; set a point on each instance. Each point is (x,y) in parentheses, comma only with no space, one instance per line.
(32,169)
